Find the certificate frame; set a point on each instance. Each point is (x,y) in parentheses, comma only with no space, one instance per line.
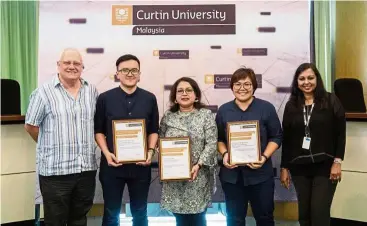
(144,137)
(229,139)
(161,164)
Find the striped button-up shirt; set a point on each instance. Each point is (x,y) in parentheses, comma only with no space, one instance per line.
(66,128)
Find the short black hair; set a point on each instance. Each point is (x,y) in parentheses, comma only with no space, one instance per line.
(126,57)
(243,73)
(172,97)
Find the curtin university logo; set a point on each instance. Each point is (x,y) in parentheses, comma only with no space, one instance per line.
(177,19)
(121,15)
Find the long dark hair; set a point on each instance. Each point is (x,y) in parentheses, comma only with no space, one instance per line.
(297,97)
(172,96)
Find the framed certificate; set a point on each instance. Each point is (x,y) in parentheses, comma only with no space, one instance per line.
(174,159)
(243,142)
(129,140)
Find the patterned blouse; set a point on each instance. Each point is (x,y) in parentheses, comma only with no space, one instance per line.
(186,197)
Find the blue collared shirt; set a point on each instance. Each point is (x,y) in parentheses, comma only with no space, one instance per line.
(270,131)
(66,128)
(116,104)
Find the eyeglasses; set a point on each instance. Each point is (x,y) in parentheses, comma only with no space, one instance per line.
(126,71)
(68,63)
(238,85)
(188,91)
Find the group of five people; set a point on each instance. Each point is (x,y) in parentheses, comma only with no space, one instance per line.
(66,116)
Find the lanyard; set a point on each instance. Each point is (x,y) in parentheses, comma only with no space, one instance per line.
(307,115)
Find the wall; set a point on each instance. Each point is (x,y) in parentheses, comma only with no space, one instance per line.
(351,41)
(18,157)
(350,62)
(351,195)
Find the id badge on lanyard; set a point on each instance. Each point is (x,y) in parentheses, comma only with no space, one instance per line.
(306,117)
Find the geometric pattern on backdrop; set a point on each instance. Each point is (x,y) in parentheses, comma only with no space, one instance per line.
(205,40)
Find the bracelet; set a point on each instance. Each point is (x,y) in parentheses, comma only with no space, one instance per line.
(339,161)
(224,154)
(266,158)
(198,164)
(151,149)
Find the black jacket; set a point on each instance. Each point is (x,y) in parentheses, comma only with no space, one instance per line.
(327,132)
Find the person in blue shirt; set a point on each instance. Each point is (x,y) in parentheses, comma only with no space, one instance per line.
(126,101)
(253,182)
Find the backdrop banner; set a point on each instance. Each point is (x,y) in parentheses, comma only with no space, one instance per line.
(205,40)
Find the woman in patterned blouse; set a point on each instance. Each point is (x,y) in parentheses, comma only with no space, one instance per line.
(188,200)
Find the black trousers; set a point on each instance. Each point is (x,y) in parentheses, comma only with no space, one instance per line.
(315,195)
(113,189)
(198,219)
(68,198)
(260,196)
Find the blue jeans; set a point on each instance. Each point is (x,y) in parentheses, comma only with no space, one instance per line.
(260,196)
(113,188)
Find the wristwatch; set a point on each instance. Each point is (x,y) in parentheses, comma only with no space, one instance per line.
(224,153)
(152,150)
(339,161)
